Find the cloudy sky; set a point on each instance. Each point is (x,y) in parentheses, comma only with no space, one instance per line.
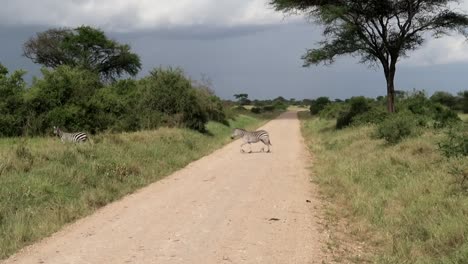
(242,45)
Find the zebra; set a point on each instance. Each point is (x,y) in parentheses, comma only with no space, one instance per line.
(78,137)
(252,137)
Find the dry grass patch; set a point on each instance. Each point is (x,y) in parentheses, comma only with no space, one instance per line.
(45,184)
(399,199)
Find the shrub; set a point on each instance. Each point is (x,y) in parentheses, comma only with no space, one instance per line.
(444,117)
(418,104)
(463,101)
(212,105)
(318,105)
(358,105)
(194,114)
(268,108)
(455,143)
(334,110)
(256,110)
(12,105)
(169,92)
(278,105)
(444,98)
(116,107)
(343,120)
(375,115)
(397,127)
(63,98)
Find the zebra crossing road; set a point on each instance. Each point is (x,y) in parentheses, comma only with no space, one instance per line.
(228,207)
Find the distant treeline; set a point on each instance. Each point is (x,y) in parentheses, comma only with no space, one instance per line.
(243,99)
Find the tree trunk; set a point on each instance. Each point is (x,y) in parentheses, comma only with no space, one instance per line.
(390,77)
(390,96)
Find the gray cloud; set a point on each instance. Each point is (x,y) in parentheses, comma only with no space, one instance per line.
(262,59)
(126,15)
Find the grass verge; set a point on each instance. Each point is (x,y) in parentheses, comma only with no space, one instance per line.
(45,184)
(401,200)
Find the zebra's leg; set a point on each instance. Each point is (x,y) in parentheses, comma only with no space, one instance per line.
(263,147)
(250,146)
(241,149)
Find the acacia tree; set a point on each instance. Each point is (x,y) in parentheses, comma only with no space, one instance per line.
(242,98)
(82,47)
(378,31)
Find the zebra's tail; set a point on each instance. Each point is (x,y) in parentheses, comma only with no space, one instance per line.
(269,142)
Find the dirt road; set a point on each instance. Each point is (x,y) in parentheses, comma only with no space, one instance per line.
(227,207)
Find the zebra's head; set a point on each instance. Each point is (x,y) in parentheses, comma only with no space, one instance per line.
(237,133)
(56,131)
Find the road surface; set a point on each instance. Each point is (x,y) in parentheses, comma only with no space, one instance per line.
(227,207)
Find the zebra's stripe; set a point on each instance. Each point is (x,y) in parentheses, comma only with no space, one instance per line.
(80,137)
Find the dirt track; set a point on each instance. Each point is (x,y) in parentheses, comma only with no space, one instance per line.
(227,207)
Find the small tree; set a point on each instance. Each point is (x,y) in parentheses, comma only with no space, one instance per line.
(82,47)
(242,98)
(170,93)
(463,101)
(444,98)
(12,89)
(280,99)
(378,31)
(319,104)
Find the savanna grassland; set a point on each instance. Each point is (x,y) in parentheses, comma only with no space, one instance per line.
(399,202)
(45,184)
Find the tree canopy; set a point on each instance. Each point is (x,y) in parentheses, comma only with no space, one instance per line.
(85,47)
(377,31)
(242,98)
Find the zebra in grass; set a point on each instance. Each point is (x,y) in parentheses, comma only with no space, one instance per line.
(252,137)
(78,137)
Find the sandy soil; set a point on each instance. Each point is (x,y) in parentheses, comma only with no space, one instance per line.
(227,207)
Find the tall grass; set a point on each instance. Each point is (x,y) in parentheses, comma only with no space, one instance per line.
(463,117)
(400,199)
(45,184)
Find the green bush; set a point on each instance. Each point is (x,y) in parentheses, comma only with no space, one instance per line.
(116,107)
(212,105)
(278,105)
(170,93)
(397,127)
(375,115)
(63,98)
(318,105)
(429,111)
(194,115)
(256,110)
(444,98)
(12,105)
(268,108)
(455,143)
(358,105)
(444,117)
(463,101)
(334,110)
